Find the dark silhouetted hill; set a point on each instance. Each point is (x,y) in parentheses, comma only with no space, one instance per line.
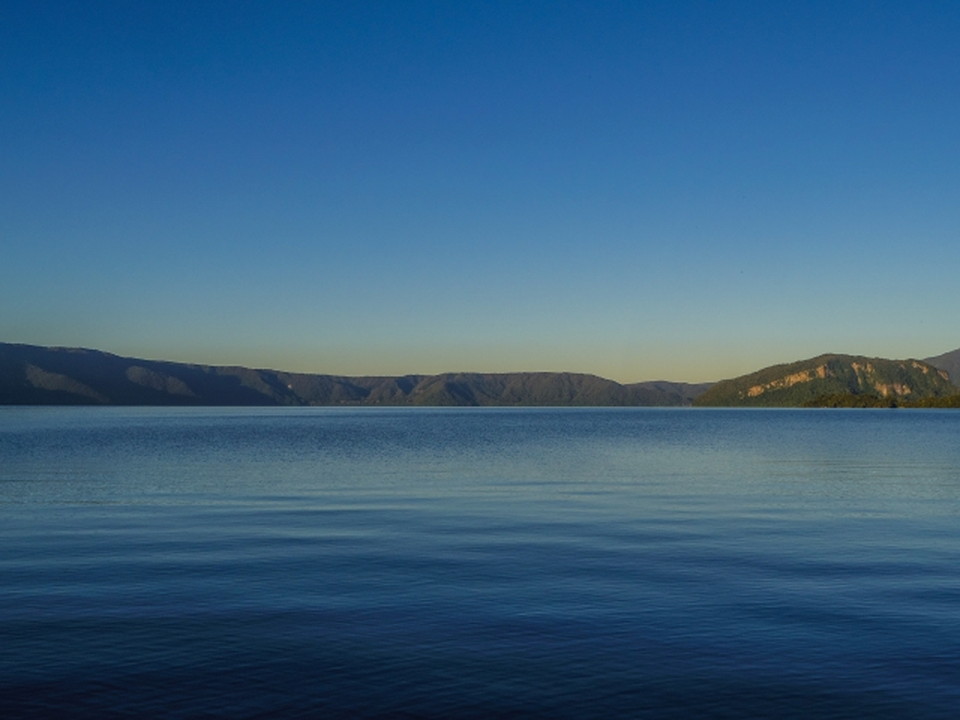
(949,361)
(34,375)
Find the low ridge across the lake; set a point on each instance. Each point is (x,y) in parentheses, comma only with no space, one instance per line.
(36,375)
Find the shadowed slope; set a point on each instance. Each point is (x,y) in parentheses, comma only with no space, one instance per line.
(33,375)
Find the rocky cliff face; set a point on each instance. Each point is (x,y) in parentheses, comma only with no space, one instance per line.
(795,384)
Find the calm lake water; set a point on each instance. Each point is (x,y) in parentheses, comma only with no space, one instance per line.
(477,563)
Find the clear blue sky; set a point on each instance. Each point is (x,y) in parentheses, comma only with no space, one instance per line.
(641,190)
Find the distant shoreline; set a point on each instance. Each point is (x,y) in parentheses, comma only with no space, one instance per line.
(38,375)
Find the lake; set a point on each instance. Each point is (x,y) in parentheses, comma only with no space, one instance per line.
(478,563)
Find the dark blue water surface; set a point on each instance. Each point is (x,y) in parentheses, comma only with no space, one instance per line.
(476,563)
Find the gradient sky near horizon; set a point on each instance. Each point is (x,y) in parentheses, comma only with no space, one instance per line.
(640,190)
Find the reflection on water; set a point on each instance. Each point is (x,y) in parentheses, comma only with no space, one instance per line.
(477,563)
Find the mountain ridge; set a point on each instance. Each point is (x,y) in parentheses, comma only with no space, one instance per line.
(38,375)
(949,361)
(808,382)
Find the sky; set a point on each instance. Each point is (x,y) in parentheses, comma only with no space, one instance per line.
(685,191)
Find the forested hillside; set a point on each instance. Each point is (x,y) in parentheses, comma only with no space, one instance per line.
(827,379)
